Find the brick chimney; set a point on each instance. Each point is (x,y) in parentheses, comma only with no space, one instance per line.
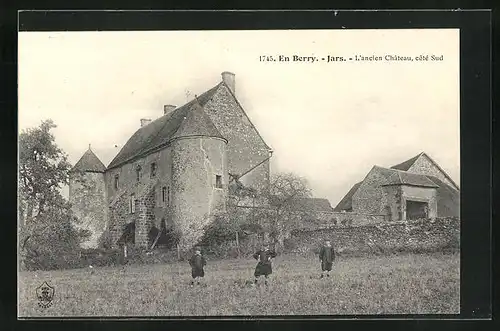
(168,108)
(145,121)
(228,78)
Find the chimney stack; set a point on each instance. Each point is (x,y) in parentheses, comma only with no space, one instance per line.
(168,108)
(228,78)
(145,121)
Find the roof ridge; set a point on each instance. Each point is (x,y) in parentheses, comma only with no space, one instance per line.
(152,142)
(441,169)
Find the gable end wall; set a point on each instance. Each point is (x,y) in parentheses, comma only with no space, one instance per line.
(424,166)
(370,197)
(245,147)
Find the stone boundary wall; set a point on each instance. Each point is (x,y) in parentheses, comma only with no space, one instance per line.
(326,219)
(419,235)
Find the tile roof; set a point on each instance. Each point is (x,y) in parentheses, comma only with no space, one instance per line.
(197,123)
(406,178)
(346,202)
(187,119)
(406,164)
(89,162)
(314,204)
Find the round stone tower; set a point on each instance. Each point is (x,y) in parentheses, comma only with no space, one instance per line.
(87,195)
(199,175)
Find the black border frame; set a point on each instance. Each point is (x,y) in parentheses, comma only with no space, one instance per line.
(475,99)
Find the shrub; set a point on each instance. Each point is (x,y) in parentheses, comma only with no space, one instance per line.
(219,231)
(105,240)
(290,243)
(51,242)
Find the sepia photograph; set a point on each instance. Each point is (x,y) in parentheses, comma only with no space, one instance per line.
(238,173)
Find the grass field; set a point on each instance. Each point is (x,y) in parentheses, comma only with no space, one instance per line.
(404,284)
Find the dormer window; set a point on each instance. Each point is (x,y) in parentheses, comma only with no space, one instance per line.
(138,173)
(153,169)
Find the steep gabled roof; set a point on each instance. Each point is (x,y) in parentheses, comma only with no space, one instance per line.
(314,204)
(197,123)
(89,162)
(407,164)
(442,171)
(392,177)
(406,178)
(162,130)
(346,202)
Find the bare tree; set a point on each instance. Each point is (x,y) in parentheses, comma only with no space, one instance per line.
(286,210)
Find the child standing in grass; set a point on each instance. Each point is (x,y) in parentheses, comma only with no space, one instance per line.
(326,257)
(197,262)
(264,267)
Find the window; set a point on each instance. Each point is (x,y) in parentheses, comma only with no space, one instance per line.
(132,204)
(218,181)
(153,169)
(165,195)
(138,173)
(117,177)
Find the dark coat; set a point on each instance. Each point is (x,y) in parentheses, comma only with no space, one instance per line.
(264,266)
(197,262)
(326,256)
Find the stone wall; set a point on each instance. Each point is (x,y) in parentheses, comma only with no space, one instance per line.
(419,235)
(370,197)
(326,219)
(145,218)
(245,147)
(128,184)
(393,209)
(127,172)
(196,162)
(88,198)
(143,215)
(425,166)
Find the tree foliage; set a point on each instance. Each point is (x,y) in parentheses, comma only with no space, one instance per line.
(48,237)
(43,170)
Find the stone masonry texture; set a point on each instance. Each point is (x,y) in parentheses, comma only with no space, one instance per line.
(195,164)
(424,166)
(370,196)
(424,234)
(88,199)
(245,148)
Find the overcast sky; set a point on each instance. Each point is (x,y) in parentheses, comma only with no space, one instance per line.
(328,122)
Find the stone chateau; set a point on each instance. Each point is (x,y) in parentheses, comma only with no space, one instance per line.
(173,172)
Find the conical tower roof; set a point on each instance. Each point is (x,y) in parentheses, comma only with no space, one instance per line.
(89,162)
(197,123)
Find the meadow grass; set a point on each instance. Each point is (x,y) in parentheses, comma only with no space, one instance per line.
(399,284)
